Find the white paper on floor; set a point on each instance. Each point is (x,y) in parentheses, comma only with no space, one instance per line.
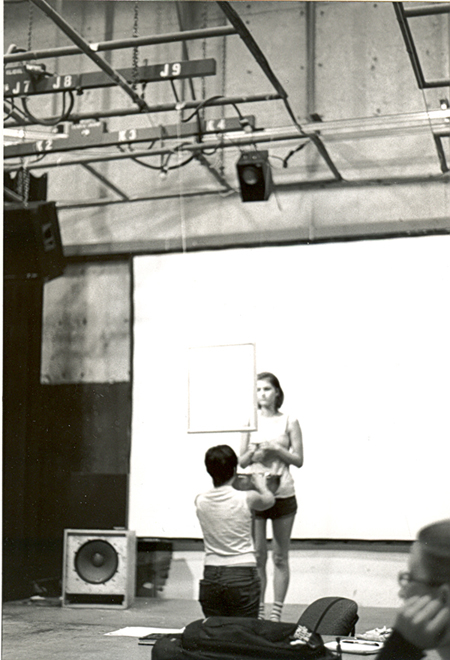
(140,631)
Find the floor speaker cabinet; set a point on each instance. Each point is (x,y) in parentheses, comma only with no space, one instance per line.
(99,568)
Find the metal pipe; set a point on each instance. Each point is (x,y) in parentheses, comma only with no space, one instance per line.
(310,11)
(89,51)
(339,130)
(306,185)
(441,154)
(253,47)
(424,10)
(429,84)
(164,107)
(132,200)
(191,148)
(106,181)
(260,58)
(409,43)
(221,179)
(13,196)
(64,51)
(324,153)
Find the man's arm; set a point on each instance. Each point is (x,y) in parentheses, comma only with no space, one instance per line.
(261,498)
(422,623)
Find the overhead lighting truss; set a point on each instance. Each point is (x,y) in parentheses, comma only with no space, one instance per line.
(80,134)
(403,14)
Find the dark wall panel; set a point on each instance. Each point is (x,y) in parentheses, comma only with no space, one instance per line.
(72,472)
(22,309)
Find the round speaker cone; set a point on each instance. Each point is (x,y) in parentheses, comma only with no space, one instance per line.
(250,175)
(96,561)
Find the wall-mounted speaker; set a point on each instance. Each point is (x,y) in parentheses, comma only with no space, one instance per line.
(99,568)
(255,176)
(32,242)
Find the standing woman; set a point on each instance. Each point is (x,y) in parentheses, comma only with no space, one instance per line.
(273,448)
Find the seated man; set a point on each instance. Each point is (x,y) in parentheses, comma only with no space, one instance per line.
(230,585)
(424,620)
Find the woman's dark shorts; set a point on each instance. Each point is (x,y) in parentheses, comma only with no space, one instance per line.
(284,506)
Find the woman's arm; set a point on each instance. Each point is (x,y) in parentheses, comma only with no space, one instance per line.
(246,452)
(293,455)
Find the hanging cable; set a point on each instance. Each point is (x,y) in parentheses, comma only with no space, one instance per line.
(204,26)
(292,152)
(30,25)
(224,89)
(180,188)
(10,112)
(158,167)
(201,105)
(55,120)
(135,55)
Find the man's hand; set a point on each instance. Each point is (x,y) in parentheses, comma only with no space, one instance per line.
(259,481)
(424,621)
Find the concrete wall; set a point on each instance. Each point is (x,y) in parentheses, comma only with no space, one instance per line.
(367,576)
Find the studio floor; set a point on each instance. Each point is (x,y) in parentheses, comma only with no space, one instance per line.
(43,629)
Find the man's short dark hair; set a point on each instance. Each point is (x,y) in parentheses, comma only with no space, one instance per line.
(435,543)
(221,463)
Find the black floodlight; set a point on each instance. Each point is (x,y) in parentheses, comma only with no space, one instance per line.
(255,176)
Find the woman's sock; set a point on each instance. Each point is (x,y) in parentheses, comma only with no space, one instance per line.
(275,614)
(262,611)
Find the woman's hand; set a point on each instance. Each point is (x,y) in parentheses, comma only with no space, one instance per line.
(270,451)
(265,452)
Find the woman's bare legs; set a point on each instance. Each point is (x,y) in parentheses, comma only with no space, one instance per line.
(282,528)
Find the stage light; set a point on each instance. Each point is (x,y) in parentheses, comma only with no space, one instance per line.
(255,176)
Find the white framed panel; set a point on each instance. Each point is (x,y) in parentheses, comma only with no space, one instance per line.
(222,386)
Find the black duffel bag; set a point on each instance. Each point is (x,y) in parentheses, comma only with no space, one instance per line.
(239,637)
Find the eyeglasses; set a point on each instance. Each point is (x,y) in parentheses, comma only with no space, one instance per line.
(405,578)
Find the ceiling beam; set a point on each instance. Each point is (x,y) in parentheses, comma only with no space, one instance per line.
(292,236)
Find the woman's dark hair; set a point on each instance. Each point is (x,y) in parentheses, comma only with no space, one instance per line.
(435,543)
(221,463)
(273,380)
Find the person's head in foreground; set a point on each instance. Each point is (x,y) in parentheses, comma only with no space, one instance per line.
(221,464)
(424,620)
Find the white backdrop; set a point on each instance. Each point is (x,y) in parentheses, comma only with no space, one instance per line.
(358,334)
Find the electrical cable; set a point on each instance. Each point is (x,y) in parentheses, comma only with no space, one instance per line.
(158,168)
(201,105)
(12,111)
(292,152)
(51,122)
